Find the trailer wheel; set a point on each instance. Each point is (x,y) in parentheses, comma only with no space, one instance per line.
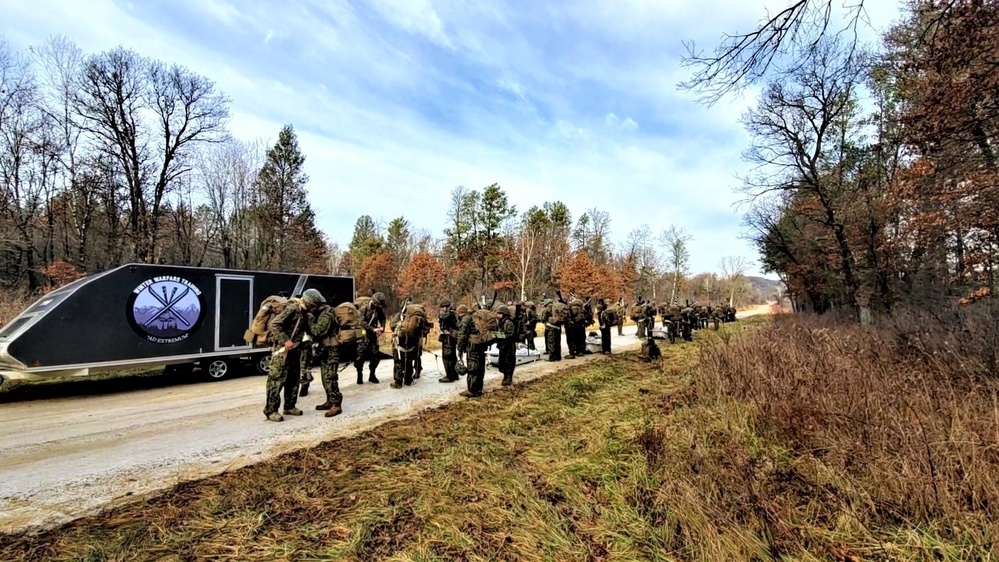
(3,379)
(263,364)
(218,369)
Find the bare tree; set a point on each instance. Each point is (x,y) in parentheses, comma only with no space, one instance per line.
(734,269)
(782,39)
(119,88)
(675,241)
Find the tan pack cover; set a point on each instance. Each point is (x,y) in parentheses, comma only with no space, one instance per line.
(347,315)
(486,322)
(258,334)
(414,321)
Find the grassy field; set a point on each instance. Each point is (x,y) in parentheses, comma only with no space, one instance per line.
(615,460)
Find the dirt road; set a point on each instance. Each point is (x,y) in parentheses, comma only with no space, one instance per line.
(64,458)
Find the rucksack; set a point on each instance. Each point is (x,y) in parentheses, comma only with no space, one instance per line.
(414,321)
(259,332)
(486,322)
(363,305)
(560,312)
(637,312)
(577,311)
(610,317)
(346,315)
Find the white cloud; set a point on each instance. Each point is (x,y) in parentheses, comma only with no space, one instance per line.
(571,101)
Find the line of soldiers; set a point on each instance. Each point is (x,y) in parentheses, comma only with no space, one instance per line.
(678,322)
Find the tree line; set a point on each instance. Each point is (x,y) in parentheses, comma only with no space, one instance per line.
(114,157)
(874,179)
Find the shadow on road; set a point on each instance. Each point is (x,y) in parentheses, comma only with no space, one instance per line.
(102,384)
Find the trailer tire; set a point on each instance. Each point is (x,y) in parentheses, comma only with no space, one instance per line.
(263,365)
(3,379)
(219,368)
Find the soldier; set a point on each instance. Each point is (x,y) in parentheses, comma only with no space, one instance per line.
(608,318)
(575,328)
(308,357)
(289,327)
(621,312)
(529,329)
(372,311)
(686,322)
(470,342)
(461,368)
(506,343)
(638,315)
(448,322)
(324,329)
(405,349)
(553,331)
(650,318)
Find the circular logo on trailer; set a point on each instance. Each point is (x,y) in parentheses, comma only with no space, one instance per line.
(166,309)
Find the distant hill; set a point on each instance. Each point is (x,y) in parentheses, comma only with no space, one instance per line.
(763,288)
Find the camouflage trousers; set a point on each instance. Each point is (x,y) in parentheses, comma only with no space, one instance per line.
(404,365)
(367,351)
(284,374)
(620,327)
(642,328)
(476,370)
(553,343)
(507,359)
(331,383)
(450,356)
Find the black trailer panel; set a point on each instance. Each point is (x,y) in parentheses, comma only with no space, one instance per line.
(146,314)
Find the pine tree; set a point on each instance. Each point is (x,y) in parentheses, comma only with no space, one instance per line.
(283,200)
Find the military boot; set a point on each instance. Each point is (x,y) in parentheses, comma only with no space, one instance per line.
(275,417)
(304,390)
(325,405)
(293,412)
(445,379)
(360,376)
(468,394)
(371,377)
(507,380)
(395,385)
(334,411)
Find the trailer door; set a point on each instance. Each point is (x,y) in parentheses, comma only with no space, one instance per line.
(233,311)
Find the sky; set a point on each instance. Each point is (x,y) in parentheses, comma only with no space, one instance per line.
(396,102)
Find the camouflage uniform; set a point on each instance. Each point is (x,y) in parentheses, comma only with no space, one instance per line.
(529,329)
(286,365)
(308,360)
(476,357)
(506,342)
(448,322)
(553,332)
(323,326)
(575,329)
(371,319)
(405,352)
(621,313)
(641,321)
(608,318)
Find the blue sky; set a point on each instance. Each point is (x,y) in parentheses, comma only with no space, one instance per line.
(397,101)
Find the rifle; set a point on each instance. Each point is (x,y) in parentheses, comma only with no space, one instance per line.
(559,295)
(492,304)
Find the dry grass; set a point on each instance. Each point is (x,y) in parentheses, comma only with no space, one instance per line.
(742,446)
(898,426)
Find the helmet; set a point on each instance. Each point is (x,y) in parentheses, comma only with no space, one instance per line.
(379,298)
(312,296)
(445,303)
(503,309)
(462,309)
(546,302)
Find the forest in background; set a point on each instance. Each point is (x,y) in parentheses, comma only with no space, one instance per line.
(874,167)
(113,157)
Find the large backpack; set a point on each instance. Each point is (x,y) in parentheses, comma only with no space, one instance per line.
(363,305)
(348,320)
(577,311)
(347,315)
(560,312)
(414,321)
(486,322)
(609,317)
(637,312)
(259,332)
